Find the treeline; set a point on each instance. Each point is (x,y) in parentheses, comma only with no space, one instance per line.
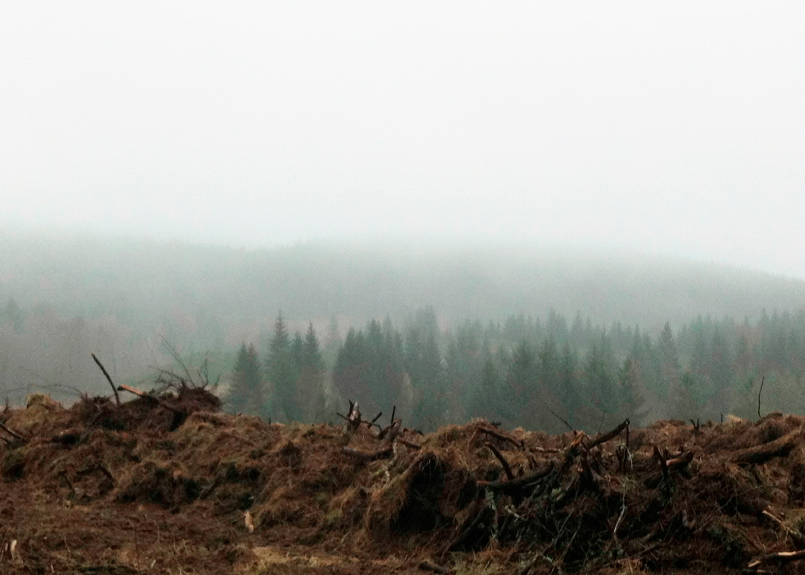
(549,374)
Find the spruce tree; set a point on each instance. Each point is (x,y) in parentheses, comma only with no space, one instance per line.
(280,373)
(245,393)
(310,382)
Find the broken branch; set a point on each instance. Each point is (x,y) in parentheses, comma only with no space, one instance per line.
(780,557)
(500,436)
(108,378)
(519,484)
(609,435)
(506,467)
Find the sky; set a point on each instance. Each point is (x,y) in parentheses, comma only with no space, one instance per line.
(670,128)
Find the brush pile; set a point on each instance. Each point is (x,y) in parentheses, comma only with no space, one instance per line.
(166,483)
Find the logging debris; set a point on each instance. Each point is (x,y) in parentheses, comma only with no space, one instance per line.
(378,498)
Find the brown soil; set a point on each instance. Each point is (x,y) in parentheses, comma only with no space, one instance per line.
(171,486)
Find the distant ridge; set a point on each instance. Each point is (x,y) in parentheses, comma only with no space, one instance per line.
(141,280)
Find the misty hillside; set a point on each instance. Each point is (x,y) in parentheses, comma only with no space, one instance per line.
(140,282)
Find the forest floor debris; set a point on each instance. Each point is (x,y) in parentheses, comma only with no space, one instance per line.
(170,485)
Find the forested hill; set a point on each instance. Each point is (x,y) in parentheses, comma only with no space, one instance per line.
(143,282)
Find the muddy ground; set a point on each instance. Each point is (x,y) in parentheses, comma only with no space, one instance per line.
(174,486)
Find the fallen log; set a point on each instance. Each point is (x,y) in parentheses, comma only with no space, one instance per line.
(762,453)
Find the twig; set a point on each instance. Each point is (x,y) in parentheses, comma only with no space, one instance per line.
(795,534)
(177,357)
(100,467)
(618,522)
(108,378)
(537,557)
(407,443)
(556,415)
(762,381)
(506,467)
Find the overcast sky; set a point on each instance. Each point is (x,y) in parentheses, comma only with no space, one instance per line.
(661,127)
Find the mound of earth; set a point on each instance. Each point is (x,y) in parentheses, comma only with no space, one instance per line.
(170,485)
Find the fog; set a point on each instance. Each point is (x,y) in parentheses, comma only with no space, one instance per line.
(671,129)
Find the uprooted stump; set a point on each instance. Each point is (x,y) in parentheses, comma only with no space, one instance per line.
(427,495)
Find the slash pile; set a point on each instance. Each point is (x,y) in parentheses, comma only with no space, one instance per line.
(168,484)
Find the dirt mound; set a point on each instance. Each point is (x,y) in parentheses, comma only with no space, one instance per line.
(164,483)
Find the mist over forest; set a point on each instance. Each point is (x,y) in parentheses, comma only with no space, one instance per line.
(542,337)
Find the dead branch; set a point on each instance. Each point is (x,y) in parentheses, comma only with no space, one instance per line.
(353,416)
(530,565)
(762,381)
(762,453)
(108,378)
(661,461)
(177,358)
(13,433)
(100,467)
(392,431)
(780,557)
(609,435)
(407,443)
(148,396)
(571,452)
(678,462)
(506,467)
(517,485)
(498,435)
(429,566)
(557,416)
(796,534)
(384,453)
